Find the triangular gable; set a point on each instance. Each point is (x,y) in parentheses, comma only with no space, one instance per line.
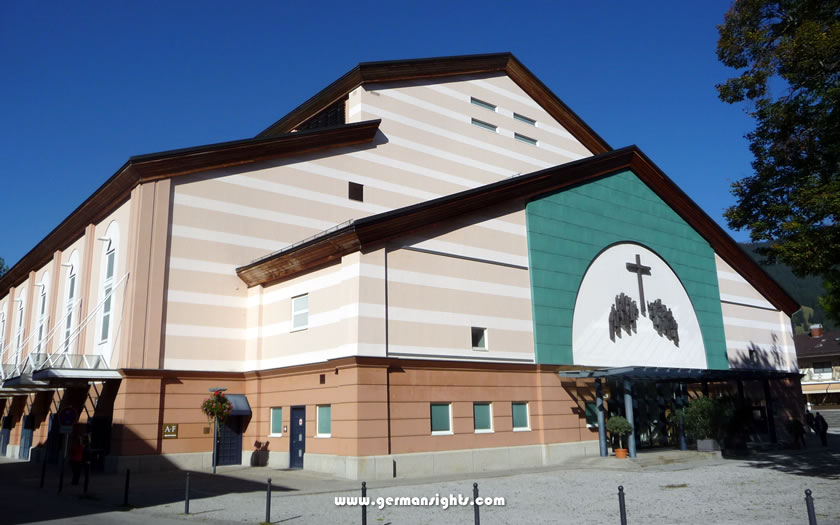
(318,106)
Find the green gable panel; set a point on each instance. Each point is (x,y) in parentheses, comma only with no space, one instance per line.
(568,229)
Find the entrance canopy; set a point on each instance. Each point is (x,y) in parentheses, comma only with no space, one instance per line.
(240,405)
(678,375)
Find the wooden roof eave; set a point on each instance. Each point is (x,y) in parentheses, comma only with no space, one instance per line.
(377,229)
(146,168)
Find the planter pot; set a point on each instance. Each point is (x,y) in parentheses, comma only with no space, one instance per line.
(621,453)
(708,445)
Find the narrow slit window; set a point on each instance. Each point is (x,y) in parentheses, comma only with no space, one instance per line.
(356,191)
(479,338)
(300,312)
(526,120)
(480,103)
(526,140)
(324,421)
(484,125)
(277,421)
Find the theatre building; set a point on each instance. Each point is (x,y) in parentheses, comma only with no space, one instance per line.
(424,268)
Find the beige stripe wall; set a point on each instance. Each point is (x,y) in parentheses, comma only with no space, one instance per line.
(750,322)
(426,148)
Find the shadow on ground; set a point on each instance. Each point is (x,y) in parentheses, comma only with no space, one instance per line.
(24,501)
(814,460)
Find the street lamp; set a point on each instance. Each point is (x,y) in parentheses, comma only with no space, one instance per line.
(215,428)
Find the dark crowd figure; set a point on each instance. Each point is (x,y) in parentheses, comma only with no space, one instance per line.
(809,420)
(77,455)
(798,431)
(821,427)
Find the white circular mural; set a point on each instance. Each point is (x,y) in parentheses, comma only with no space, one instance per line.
(613,326)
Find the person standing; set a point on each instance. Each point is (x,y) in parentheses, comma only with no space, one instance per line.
(77,453)
(821,427)
(809,420)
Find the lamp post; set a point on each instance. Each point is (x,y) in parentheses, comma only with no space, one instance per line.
(215,429)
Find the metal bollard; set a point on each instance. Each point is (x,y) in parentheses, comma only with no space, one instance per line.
(809,502)
(268,501)
(127,480)
(87,477)
(364,507)
(621,509)
(43,471)
(187,496)
(475,504)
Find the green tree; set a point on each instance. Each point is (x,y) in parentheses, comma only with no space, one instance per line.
(787,54)
(3,267)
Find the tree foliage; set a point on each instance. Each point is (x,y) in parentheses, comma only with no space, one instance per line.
(787,54)
(3,267)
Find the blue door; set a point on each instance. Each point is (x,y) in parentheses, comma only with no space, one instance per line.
(26,436)
(229,448)
(5,434)
(297,443)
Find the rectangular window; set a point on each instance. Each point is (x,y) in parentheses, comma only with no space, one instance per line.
(109,270)
(520,416)
(480,103)
(324,421)
(106,316)
(484,125)
(822,367)
(300,312)
(526,140)
(441,418)
(356,191)
(526,120)
(591,410)
(277,421)
(482,417)
(479,338)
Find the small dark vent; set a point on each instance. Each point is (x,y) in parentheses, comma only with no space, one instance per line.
(332,116)
(356,191)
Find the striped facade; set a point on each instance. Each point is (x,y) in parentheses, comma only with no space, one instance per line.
(431,313)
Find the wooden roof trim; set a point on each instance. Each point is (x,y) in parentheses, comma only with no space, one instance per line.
(376,229)
(428,68)
(146,168)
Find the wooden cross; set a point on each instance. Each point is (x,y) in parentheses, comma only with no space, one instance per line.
(639,270)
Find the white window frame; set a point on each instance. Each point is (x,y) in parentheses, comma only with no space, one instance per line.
(318,433)
(442,432)
(2,329)
(70,291)
(484,104)
(271,422)
(492,428)
(298,312)
(486,341)
(485,125)
(525,139)
(42,323)
(21,329)
(522,118)
(527,416)
(107,295)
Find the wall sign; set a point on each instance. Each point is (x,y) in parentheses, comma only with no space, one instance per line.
(632,310)
(170,430)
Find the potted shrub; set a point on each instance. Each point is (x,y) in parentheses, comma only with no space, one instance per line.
(705,420)
(619,427)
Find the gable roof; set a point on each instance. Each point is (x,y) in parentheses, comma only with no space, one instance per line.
(374,230)
(439,67)
(166,164)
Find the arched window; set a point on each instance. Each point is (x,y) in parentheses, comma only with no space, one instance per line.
(21,302)
(108,269)
(70,293)
(43,318)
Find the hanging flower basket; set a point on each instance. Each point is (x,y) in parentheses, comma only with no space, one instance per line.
(217,406)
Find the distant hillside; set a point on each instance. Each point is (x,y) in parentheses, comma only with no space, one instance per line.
(805,291)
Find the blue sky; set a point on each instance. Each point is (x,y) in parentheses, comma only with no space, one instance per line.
(85,85)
